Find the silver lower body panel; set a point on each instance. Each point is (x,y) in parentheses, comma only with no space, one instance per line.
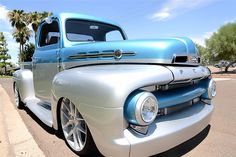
(41,109)
(169,131)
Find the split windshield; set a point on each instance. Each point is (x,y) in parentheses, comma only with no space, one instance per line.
(84,31)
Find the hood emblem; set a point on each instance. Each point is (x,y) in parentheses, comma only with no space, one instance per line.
(118,54)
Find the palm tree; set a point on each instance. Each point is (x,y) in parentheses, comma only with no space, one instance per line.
(20,20)
(34,18)
(17,18)
(22,35)
(45,14)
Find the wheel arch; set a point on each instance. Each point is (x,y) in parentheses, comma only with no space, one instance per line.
(23,79)
(57,121)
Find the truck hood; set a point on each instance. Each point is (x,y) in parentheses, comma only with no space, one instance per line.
(158,51)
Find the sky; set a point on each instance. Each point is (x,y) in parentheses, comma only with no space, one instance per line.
(141,19)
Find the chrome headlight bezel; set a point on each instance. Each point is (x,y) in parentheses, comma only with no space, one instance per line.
(211,90)
(145,99)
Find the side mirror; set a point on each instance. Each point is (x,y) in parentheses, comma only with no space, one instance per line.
(48,20)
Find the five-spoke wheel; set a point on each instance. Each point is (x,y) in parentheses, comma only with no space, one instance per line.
(74,127)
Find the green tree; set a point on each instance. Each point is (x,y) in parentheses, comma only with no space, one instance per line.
(205,59)
(34,18)
(4,56)
(21,36)
(222,44)
(28,52)
(17,19)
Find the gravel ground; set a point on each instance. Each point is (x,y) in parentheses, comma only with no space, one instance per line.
(219,73)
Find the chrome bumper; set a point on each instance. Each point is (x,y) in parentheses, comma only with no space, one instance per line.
(169,131)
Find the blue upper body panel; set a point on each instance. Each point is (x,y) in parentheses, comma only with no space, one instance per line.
(134,51)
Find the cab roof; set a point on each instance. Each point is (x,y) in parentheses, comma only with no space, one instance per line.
(64,16)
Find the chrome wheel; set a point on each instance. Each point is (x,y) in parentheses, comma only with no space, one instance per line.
(73,125)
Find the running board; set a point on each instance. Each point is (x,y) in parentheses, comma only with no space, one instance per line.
(41,109)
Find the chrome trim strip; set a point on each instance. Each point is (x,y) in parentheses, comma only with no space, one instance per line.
(111,54)
(74,63)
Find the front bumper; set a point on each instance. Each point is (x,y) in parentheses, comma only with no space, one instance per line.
(169,131)
(163,134)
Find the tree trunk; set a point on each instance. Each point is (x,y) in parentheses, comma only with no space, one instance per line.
(5,68)
(35,37)
(227,67)
(20,53)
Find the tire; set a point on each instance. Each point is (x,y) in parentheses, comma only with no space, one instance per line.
(19,104)
(75,130)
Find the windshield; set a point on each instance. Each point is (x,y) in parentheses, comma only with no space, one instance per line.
(79,30)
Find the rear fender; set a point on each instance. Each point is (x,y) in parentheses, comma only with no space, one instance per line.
(23,79)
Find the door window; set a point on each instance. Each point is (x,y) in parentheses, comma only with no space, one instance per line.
(49,34)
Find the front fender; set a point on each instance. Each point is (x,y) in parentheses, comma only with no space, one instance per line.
(99,92)
(106,85)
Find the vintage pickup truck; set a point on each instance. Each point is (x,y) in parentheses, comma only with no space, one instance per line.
(112,95)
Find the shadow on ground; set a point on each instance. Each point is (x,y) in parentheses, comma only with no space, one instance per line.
(186,146)
(222,71)
(35,118)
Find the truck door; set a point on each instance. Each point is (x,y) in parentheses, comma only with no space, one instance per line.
(45,59)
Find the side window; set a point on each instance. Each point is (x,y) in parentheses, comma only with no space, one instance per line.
(114,36)
(49,34)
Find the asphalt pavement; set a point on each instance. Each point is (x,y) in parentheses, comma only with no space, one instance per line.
(218,139)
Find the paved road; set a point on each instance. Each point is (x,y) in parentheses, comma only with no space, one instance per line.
(15,139)
(47,140)
(218,139)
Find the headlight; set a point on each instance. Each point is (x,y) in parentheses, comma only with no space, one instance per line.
(149,109)
(210,86)
(141,108)
(211,89)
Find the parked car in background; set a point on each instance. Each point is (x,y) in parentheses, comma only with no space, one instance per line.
(124,98)
(222,64)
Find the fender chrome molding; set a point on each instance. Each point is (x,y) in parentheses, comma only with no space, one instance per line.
(117,54)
